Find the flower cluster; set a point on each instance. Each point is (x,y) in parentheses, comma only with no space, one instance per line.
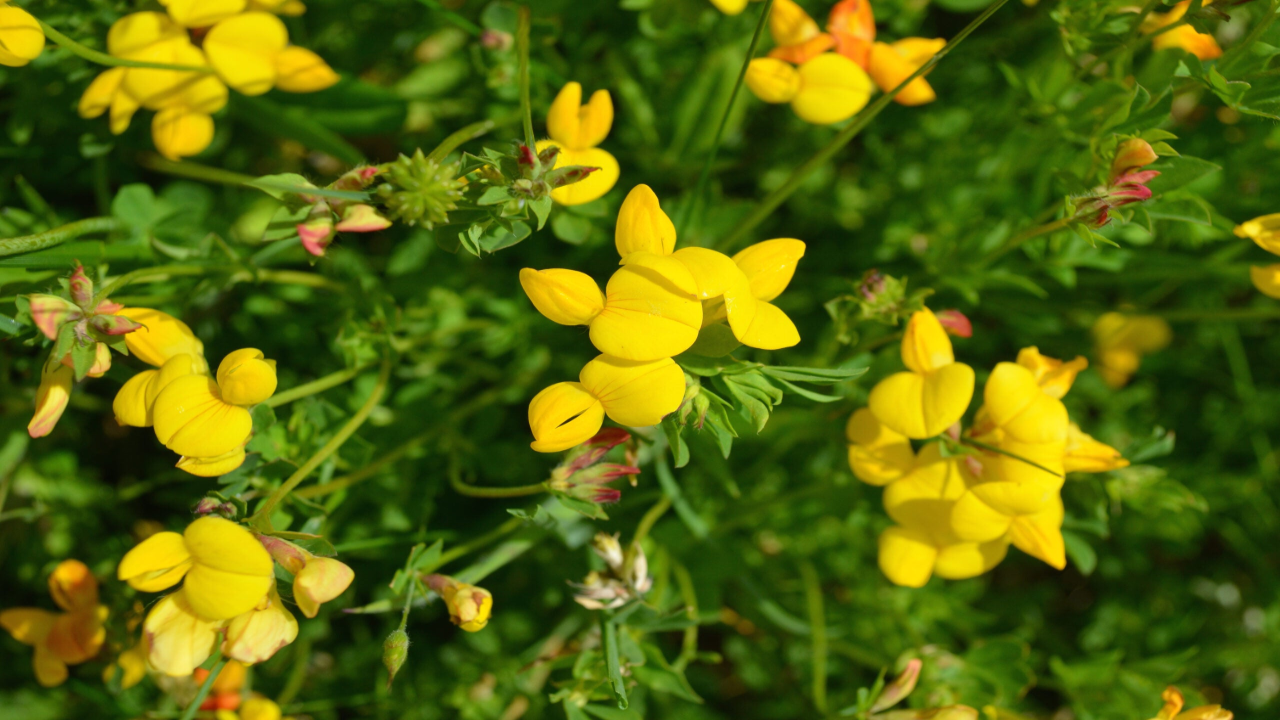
(228,596)
(583,476)
(62,638)
(626,577)
(652,308)
(326,216)
(21,37)
(958,508)
(1126,184)
(577,130)
(1265,231)
(232,43)
(828,76)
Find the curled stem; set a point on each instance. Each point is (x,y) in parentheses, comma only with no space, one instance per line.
(102,58)
(58,235)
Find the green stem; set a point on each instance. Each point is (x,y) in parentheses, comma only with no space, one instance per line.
(451,143)
(650,518)
(331,380)
(408,603)
(58,235)
(864,118)
(195,171)
(494,492)
(102,58)
(454,553)
(365,472)
(161,271)
(203,692)
(687,210)
(262,518)
(522,51)
(689,645)
(1016,241)
(1246,393)
(818,631)
(1006,453)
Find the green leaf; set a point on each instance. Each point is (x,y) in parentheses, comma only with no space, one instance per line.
(1081,552)
(571,228)
(679,448)
(494,195)
(612,665)
(542,210)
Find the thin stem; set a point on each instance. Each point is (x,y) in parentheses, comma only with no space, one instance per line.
(162,271)
(689,645)
(522,51)
(864,118)
(686,211)
(1016,241)
(1006,453)
(195,171)
(203,692)
(818,631)
(458,137)
(331,380)
(493,492)
(367,471)
(102,58)
(262,518)
(454,553)
(408,603)
(58,235)
(650,519)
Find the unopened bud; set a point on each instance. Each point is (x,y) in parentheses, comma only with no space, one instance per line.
(469,606)
(316,232)
(113,324)
(213,506)
(395,649)
(81,288)
(526,156)
(897,691)
(609,550)
(50,313)
(872,285)
(567,176)
(1131,155)
(548,156)
(955,323)
(496,40)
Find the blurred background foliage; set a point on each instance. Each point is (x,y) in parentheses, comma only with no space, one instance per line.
(1172,575)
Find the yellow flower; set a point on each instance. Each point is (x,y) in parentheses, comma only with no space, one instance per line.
(922,543)
(642,225)
(891,63)
(201,13)
(161,337)
(730,7)
(61,639)
(790,25)
(1185,37)
(227,571)
(21,39)
(1173,703)
(136,399)
(51,398)
(638,394)
(258,634)
(877,455)
(131,664)
(469,606)
(259,708)
(825,89)
(1264,230)
(1266,279)
(1084,454)
(198,417)
(178,639)
(1054,377)
(577,129)
(1121,341)
(934,392)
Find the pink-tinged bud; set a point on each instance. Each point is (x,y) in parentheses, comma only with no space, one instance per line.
(896,691)
(106,307)
(496,40)
(1136,178)
(355,180)
(548,155)
(361,218)
(211,506)
(526,156)
(1131,155)
(113,324)
(955,323)
(873,283)
(81,288)
(290,556)
(591,451)
(572,175)
(50,313)
(597,495)
(51,398)
(317,232)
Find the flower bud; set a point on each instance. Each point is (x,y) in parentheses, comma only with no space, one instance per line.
(316,232)
(900,688)
(643,226)
(955,323)
(51,398)
(925,346)
(113,324)
(395,649)
(789,24)
(361,218)
(214,506)
(469,606)
(101,361)
(563,415)
(496,40)
(50,313)
(773,80)
(609,550)
(81,288)
(73,586)
(1084,454)
(245,378)
(1132,154)
(567,297)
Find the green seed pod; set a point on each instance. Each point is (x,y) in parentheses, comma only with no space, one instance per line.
(394,651)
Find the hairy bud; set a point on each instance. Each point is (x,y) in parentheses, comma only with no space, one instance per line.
(395,650)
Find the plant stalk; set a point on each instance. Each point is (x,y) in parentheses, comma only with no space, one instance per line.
(102,58)
(58,235)
(522,51)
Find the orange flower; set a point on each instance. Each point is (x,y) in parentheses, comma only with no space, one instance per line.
(61,639)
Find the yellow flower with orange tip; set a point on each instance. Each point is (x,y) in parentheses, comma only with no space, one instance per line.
(224,570)
(637,394)
(823,90)
(61,639)
(1174,702)
(891,63)
(21,38)
(469,606)
(934,392)
(577,129)
(316,580)
(1184,37)
(877,455)
(207,421)
(922,543)
(1120,341)
(52,397)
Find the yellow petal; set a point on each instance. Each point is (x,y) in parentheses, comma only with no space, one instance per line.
(972,520)
(192,419)
(161,337)
(469,606)
(637,394)
(212,466)
(1055,377)
(28,626)
(770,329)
(130,405)
(567,297)
(320,580)
(575,126)
(51,398)
(1266,279)
(51,671)
(21,39)
(832,88)
(180,365)
(923,499)
(562,416)
(246,378)
(159,89)
(132,664)
(1084,454)
(178,640)
(77,637)
(231,572)
(1040,535)
(877,455)
(789,24)
(1017,498)
(243,50)
(772,80)
(715,274)
(156,563)
(730,7)
(202,13)
(178,132)
(257,635)
(591,187)
(1263,230)
(259,708)
(921,406)
(123,106)
(643,226)
(73,586)
(298,70)
(100,93)
(906,556)
(648,312)
(925,345)
(138,31)
(891,64)
(1203,45)
(769,265)
(1012,467)
(966,560)
(1014,402)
